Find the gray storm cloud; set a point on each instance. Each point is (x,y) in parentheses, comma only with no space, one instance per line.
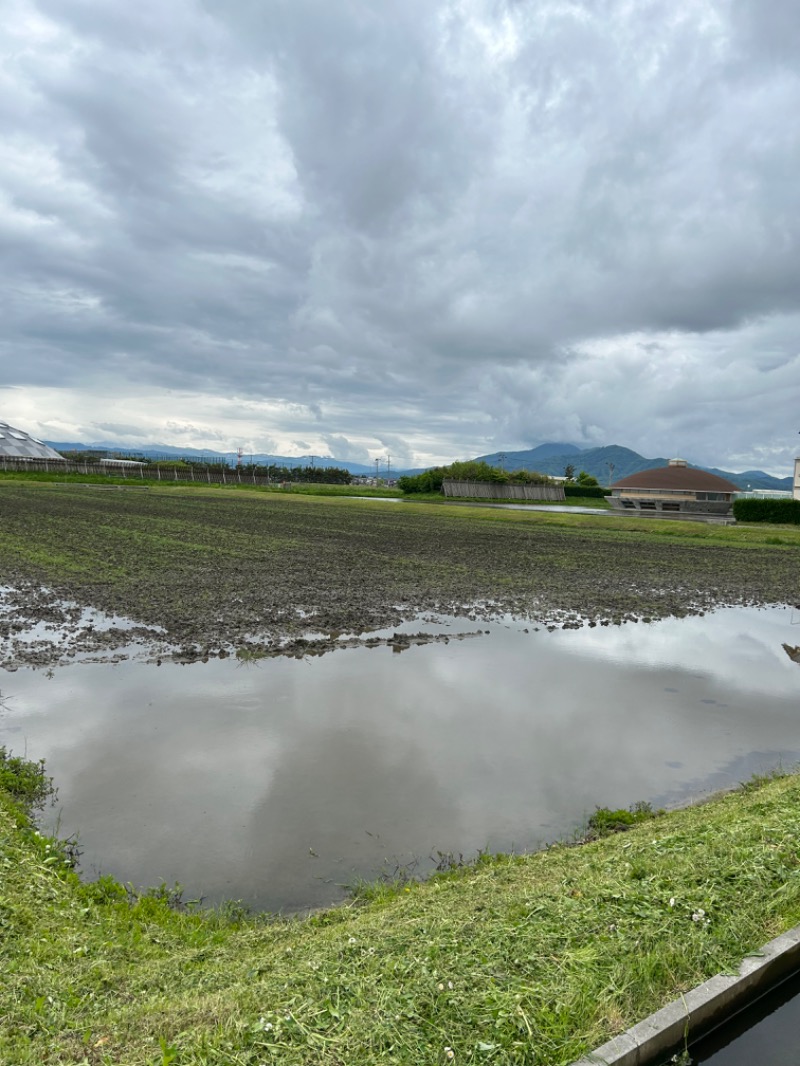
(441,225)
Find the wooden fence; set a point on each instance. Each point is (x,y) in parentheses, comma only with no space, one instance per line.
(489,490)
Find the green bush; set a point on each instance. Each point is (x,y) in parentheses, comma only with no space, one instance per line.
(431,480)
(780,512)
(576,489)
(24,780)
(605,821)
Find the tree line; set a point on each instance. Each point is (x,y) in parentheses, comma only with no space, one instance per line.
(431,480)
(322,475)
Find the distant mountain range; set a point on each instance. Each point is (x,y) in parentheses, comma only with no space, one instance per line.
(167,451)
(614,462)
(607,464)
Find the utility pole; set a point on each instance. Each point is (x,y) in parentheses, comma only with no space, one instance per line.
(502,457)
(377,464)
(388,467)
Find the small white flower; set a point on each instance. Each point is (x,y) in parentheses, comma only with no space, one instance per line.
(672,901)
(449,1053)
(698,915)
(449,984)
(351,940)
(440,986)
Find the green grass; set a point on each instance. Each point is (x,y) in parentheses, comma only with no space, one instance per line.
(300,489)
(340,490)
(510,960)
(570,501)
(651,529)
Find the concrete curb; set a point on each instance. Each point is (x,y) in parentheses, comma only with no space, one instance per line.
(662,1034)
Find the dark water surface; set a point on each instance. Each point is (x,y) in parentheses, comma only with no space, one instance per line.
(765,1034)
(281,781)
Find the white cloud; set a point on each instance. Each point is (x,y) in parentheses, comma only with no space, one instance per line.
(433,229)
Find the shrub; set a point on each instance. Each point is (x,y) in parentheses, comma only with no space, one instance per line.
(24,780)
(585,490)
(605,821)
(431,480)
(780,512)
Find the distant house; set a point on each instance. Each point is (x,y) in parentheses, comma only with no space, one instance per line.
(16,444)
(676,487)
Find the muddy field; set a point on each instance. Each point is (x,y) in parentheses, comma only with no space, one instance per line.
(101,571)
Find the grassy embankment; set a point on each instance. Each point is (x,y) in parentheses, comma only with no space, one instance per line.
(300,488)
(569,501)
(513,960)
(547,955)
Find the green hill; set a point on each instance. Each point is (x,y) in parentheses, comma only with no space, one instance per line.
(612,463)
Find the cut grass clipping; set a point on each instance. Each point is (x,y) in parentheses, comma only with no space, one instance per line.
(510,960)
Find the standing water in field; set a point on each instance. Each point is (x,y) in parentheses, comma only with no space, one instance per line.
(282,781)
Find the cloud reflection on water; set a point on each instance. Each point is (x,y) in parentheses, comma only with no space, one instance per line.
(226,778)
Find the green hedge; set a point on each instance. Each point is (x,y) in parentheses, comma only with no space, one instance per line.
(782,512)
(586,490)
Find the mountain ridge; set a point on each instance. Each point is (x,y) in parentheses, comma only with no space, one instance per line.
(611,462)
(614,462)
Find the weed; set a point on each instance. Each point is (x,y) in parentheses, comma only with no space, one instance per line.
(24,780)
(605,821)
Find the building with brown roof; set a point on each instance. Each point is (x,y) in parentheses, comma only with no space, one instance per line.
(677,487)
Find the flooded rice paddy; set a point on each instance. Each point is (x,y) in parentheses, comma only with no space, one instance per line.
(282,781)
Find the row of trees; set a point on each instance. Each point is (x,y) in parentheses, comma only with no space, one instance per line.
(323,475)
(319,475)
(583,479)
(431,480)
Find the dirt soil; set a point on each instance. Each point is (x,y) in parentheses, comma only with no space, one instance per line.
(108,572)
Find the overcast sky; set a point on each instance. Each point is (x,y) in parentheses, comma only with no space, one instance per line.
(433,228)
